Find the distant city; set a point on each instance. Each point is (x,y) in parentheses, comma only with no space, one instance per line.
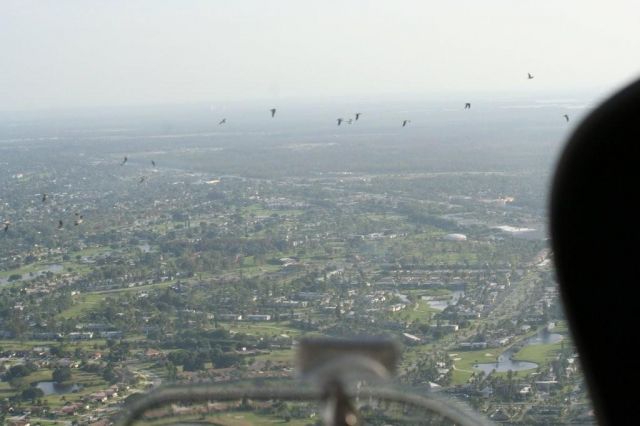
(195,244)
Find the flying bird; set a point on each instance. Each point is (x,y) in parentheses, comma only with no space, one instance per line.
(153,163)
(60,224)
(529,76)
(339,120)
(142,179)
(44,197)
(124,161)
(566,117)
(273,112)
(79,219)
(467,106)
(6,225)
(404,122)
(358,114)
(224,120)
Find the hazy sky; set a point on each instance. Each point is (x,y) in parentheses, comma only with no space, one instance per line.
(61,54)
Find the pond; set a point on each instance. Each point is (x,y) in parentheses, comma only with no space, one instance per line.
(441,304)
(51,388)
(505,361)
(145,248)
(54,267)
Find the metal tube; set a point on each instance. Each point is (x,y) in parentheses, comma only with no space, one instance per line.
(203,393)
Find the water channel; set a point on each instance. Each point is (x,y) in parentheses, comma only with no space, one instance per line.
(505,361)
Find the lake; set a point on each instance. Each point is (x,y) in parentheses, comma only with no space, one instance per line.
(50,388)
(505,361)
(441,304)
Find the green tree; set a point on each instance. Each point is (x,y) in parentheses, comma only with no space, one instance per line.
(61,374)
(17,371)
(172,371)
(32,393)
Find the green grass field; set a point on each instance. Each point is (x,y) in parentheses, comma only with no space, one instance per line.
(420,311)
(284,355)
(163,284)
(90,251)
(25,270)
(82,305)
(460,377)
(264,329)
(464,361)
(540,354)
(42,375)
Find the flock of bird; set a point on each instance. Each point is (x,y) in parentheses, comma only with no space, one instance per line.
(357,115)
(79,218)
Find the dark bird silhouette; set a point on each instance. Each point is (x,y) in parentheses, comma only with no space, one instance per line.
(404,122)
(467,106)
(358,114)
(6,225)
(224,120)
(153,163)
(124,161)
(273,112)
(529,76)
(44,197)
(339,120)
(60,224)
(142,179)
(566,117)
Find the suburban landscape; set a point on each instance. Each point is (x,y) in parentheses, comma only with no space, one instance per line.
(159,247)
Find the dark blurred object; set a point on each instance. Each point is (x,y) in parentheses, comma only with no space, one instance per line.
(334,364)
(596,242)
(378,358)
